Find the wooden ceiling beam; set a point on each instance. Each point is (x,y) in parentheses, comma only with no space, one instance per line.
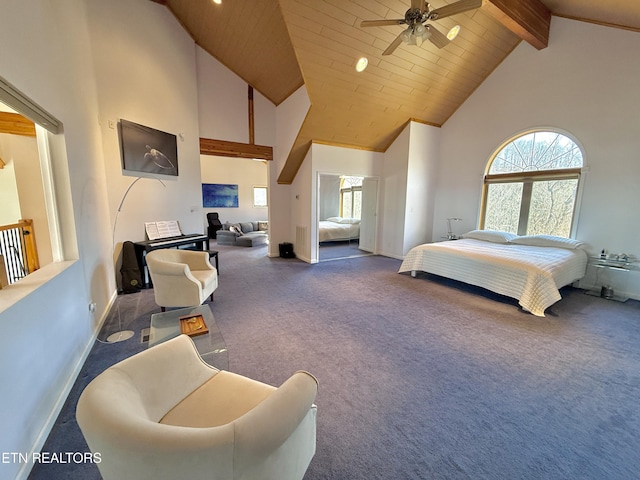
(16,124)
(224,148)
(529,19)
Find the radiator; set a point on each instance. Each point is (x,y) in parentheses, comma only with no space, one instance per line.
(302,246)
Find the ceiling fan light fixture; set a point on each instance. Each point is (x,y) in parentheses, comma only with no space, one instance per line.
(361,64)
(453,33)
(407,35)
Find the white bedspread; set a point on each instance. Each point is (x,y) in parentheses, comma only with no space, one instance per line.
(332,231)
(530,274)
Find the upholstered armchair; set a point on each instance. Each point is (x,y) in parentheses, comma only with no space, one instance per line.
(181,278)
(165,414)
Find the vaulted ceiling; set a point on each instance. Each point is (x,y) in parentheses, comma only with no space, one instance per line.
(276,46)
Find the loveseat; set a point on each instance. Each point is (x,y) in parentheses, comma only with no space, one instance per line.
(243,234)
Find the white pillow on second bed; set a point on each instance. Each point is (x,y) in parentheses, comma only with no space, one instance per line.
(346,220)
(494,236)
(547,241)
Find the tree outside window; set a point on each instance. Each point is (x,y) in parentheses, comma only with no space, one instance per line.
(532,184)
(259,196)
(351,197)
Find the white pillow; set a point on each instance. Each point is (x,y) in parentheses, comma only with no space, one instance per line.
(334,219)
(351,221)
(547,241)
(494,236)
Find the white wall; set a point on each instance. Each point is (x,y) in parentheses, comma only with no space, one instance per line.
(422,165)
(88,63)
(46,324)
(585,83)
(149,79)
(245,173)
(289,117)
(326,159)
(10,211)
(223,113)
(25,159)
(302,208)
(328,196)
(394,196)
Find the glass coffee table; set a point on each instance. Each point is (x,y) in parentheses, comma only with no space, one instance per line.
(210,345)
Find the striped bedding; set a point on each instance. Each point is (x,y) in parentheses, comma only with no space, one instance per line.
(530,274)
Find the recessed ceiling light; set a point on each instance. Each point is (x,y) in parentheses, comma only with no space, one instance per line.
(217,2)
(453,33)
(361,64)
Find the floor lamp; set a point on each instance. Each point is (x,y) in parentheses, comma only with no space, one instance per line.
(122,335)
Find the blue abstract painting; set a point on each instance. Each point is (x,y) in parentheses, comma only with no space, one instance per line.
(216,195)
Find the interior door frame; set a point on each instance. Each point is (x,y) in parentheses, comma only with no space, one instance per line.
(317,208)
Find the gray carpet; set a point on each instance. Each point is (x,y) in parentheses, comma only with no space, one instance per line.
(339,250)
(420,378)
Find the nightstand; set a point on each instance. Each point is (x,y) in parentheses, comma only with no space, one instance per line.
(615,271)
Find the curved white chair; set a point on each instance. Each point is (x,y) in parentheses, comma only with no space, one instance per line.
(181,278)
(165,414)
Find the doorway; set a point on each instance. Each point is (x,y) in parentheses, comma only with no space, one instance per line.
(347,216)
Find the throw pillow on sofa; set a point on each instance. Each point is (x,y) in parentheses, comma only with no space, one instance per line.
(236,229)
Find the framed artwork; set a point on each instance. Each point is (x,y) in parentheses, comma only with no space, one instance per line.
(145,149)
(219,195)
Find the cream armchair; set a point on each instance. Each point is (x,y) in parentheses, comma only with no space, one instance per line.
(181,278)
(165,414)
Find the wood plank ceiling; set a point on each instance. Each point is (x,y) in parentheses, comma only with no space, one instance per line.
(278,45)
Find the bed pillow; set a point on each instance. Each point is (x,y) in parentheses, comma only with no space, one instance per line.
(494,236)
(351,221)
(334,219)
(236,230)
(547,241)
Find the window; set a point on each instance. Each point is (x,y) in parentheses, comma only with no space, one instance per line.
(531,185)
(259,196)
(29,230)
(350,197)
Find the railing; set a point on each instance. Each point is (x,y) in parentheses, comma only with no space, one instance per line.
(18,252)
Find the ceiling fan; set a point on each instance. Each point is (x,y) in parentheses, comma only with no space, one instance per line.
(416,31)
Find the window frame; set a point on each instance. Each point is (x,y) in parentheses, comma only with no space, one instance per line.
(266,191)
(351,191)
(528,179)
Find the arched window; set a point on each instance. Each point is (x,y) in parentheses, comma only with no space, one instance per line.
(531,185)
(350,197)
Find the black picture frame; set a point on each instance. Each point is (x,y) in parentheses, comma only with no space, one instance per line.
(145,149)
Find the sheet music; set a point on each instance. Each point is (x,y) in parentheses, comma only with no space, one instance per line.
(163,229)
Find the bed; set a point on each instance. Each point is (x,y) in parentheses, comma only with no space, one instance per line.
(530,269)
(335,229)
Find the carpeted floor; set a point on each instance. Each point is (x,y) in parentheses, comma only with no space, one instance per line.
(420,378)
(330,251)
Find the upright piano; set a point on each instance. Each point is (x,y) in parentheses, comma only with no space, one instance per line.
(199,242)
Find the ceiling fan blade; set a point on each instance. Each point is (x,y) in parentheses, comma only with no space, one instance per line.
(381,23)
(418,5)
(454,9)
(391,48)
(437,38)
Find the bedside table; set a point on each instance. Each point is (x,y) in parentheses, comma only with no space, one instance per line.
(615,268)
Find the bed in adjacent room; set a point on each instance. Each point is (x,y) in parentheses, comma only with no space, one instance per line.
(530,269)
(335,229)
